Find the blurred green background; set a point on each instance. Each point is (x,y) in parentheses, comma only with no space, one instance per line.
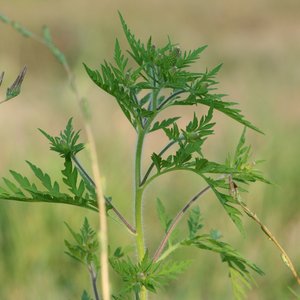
(259,43)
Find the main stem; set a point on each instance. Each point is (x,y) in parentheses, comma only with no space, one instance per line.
(138,197)
(138,203)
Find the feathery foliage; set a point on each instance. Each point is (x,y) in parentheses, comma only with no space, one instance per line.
(145,80)
(81,193)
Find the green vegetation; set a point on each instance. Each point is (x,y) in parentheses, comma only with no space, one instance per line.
(144,84)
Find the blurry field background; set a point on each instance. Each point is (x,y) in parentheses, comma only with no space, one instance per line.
(259,43)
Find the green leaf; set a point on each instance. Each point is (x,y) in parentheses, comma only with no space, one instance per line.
(157,161)
(214,71)
(137,47)
(146,274)
(164,219)
(228,254)
(66,143)
(172,133)
(227,109)
(45,180)
(107,81)
(215,101)
(120,60)
(246,171)
(52,195)
(11,186)
(194,222)
(163,124)
(190,57)
(240,283)
(227,202)
(86,247)
(71,177)
(85,296)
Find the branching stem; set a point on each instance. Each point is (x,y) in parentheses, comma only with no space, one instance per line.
(176,221)
(113,208)
(165,149)
(169,145)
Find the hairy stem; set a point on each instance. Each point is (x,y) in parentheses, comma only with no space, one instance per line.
(175,222)
(138,204)
(113,208)
(138,198)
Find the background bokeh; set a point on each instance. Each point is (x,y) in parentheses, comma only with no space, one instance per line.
(259,43)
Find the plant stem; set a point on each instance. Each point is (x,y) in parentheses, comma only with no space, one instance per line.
(138,197)
(169,145)
(175,222)
(113,208)
(152,165)
(138,204)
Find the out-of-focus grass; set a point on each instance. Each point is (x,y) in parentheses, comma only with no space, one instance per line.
(257,41)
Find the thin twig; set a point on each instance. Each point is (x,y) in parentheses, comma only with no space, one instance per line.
(175,222)
(108,202)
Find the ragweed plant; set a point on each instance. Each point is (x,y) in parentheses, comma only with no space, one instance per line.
(145,81)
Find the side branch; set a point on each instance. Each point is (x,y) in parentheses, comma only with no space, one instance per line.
(176,221)
(152,165)
(167,147)
(108,202)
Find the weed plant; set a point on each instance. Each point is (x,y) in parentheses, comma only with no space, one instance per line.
(145,81)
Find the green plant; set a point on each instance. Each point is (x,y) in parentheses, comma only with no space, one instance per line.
(144,84)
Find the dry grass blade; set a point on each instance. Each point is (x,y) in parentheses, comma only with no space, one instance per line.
(286,259)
